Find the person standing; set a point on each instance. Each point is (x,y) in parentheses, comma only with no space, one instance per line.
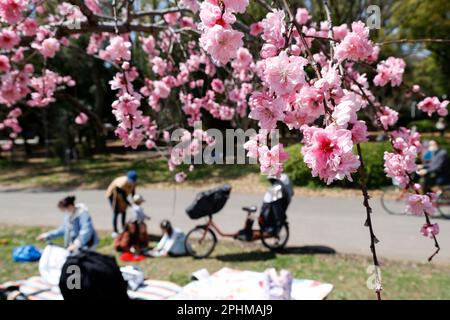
(117,193)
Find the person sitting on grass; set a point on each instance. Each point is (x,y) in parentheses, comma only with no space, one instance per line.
(78,230)
(134,239)
(171,243)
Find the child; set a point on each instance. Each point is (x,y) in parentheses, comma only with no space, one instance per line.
(135,238)
(139,215)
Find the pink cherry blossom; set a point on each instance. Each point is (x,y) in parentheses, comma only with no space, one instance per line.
(172,17)
(252,148)
(218,86)
(4,63)
(339,32)
(149,45)
(310,100)
(415,88)
(180,177)
(211,15)
(267,51)
(430,230)
(94,6)
(11,10)
(118,49)
(390,70)
(266,109)
(356,44)
(8,39)
(274,27)
(387,117)
(359,132)
(81,119)
(329,153)
(256,29)
(345,111)
(420,204)
(431,105)
(159,66)
(161,89)
(236,5)
(221,43)
(302,16)
(284,73)
(403,139)
(398,166)
(271,160)
(49,47)
(29,27)
(44,88)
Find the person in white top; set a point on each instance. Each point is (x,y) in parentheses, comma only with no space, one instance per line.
(139,215)
(171,243)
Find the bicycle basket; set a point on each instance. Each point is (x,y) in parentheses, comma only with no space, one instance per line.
(209,202)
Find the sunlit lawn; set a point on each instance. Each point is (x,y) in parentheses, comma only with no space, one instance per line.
(347,273)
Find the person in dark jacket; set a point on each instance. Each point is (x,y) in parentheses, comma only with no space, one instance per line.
(435,172)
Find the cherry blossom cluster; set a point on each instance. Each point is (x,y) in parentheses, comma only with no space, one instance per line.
(286,69)
(11,124)
(218,37)
(270,159)
(400,164)
(189,145)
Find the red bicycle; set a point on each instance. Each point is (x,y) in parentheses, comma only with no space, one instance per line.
(202,239)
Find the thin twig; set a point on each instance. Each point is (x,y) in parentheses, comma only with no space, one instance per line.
(368,223)
(158,12)
(400,41)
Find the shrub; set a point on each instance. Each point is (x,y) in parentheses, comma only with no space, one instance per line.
(373,153)
(425,125)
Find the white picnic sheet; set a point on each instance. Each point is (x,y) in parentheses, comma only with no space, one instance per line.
(38,289)
(225,284)
(231,284)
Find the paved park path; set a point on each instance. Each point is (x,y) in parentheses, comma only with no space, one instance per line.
(331,222)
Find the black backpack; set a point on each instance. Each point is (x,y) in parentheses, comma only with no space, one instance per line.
(90,275)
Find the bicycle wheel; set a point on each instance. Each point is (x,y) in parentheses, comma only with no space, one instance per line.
(279,241)
(443,203)
(200,243)
(392,200)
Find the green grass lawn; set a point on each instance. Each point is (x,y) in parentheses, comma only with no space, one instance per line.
(347,273)
(98,172)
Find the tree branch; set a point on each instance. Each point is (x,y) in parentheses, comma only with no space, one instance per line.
(400,41)
(158,12)
(110,27)
(368,223)
(85,10)
(77,104)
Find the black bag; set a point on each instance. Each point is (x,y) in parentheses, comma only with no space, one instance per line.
(100,278)
(273,214)
(209,202)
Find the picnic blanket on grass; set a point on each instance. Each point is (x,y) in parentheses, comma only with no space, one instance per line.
(225,284)
(231,284)
(37,289)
